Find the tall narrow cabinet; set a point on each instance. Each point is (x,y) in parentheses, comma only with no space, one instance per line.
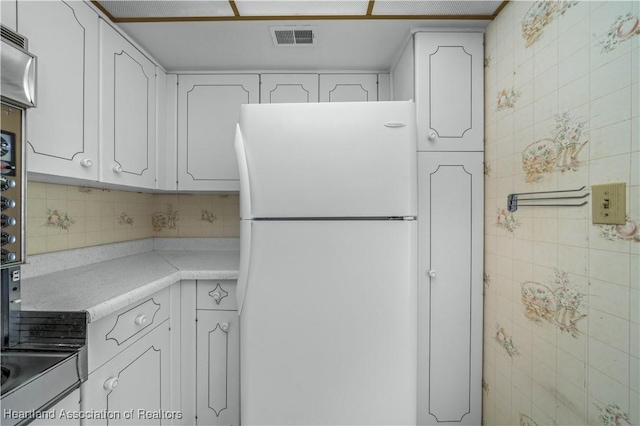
(443,72)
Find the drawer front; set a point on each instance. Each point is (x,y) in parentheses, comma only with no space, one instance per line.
(109,336)
(219,295)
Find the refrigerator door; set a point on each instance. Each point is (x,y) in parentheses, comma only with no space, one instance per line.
(328,329)
(352,159)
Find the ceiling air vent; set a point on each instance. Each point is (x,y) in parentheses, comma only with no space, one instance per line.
(290,36)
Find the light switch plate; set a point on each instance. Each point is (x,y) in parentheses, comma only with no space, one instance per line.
(609,203)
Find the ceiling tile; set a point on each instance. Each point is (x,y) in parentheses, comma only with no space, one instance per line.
(166,9)
(301,7)
(438,8)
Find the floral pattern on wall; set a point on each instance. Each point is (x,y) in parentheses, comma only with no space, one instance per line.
(507,99)
(168,219)
(624,28)
(58,219)
(506,342)
(540,15)
(630,231)
(506,220)
(125,219)
(557,153)
(612,415)
(207,216)
(526,420)
(557,302)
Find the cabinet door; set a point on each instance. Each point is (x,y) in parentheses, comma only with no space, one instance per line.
(295,88)
(449,91)
(348,87)
(208,111)
(8,13)
(450,229)
(218,367)
(136,381)
(128,112)
(62,132)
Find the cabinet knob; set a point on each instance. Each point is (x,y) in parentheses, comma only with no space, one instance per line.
(111,383)
(432,136)
(216,297)
(117,168)
(225,326)
(141,320)
(86,162)
(432,273)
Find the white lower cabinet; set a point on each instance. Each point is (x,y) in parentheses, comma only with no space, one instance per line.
(133,388)
(218,367)
(450,301)
(210,367)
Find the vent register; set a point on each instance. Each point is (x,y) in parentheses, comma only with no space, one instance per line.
(290,36)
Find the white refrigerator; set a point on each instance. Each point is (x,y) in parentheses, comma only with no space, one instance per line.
(327,289)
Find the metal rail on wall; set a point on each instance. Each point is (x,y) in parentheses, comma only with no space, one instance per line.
(514,200)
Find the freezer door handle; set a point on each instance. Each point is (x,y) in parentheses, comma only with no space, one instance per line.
(243,171)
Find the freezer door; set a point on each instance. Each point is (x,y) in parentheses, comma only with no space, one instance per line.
(351,159)
(328,328)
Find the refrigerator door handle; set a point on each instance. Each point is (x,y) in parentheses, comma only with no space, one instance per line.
(243,172)
(245,215)
(243,270)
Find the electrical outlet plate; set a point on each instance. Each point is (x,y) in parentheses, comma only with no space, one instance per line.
(609,203)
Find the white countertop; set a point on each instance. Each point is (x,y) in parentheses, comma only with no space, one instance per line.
(104,287)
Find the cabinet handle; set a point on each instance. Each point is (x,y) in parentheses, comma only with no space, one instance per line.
(117,168)
(225,326)
(141,320)
(432,136)
(216,297)
(111,383)
(86,162)
(432,273)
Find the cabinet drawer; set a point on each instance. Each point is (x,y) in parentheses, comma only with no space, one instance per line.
(109,336)
(219,295)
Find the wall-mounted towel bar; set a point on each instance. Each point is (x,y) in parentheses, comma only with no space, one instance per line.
(514,200)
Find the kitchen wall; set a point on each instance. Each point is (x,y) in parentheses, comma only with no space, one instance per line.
(562,296)
(61,217)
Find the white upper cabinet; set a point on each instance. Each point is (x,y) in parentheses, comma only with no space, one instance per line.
(208,111)
(294,88)
(348,87)
(127,112)
(449,91)
(62,132)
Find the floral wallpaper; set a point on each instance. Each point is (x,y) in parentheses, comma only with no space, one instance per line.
(562,295)
(61,217)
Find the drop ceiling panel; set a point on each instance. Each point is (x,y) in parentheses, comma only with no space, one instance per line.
(301,8)
(166,8)
(437,8)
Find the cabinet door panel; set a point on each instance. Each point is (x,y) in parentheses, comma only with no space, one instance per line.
(348,87)
(218,367)
(295,88)
(208,111)
(449,91)
(450,294)
(62,131)
(128,114)
(141,385)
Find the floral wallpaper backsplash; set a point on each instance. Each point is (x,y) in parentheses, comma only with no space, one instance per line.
(562,295)
(61,217)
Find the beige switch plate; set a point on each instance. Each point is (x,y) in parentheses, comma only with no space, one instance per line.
(609,203)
